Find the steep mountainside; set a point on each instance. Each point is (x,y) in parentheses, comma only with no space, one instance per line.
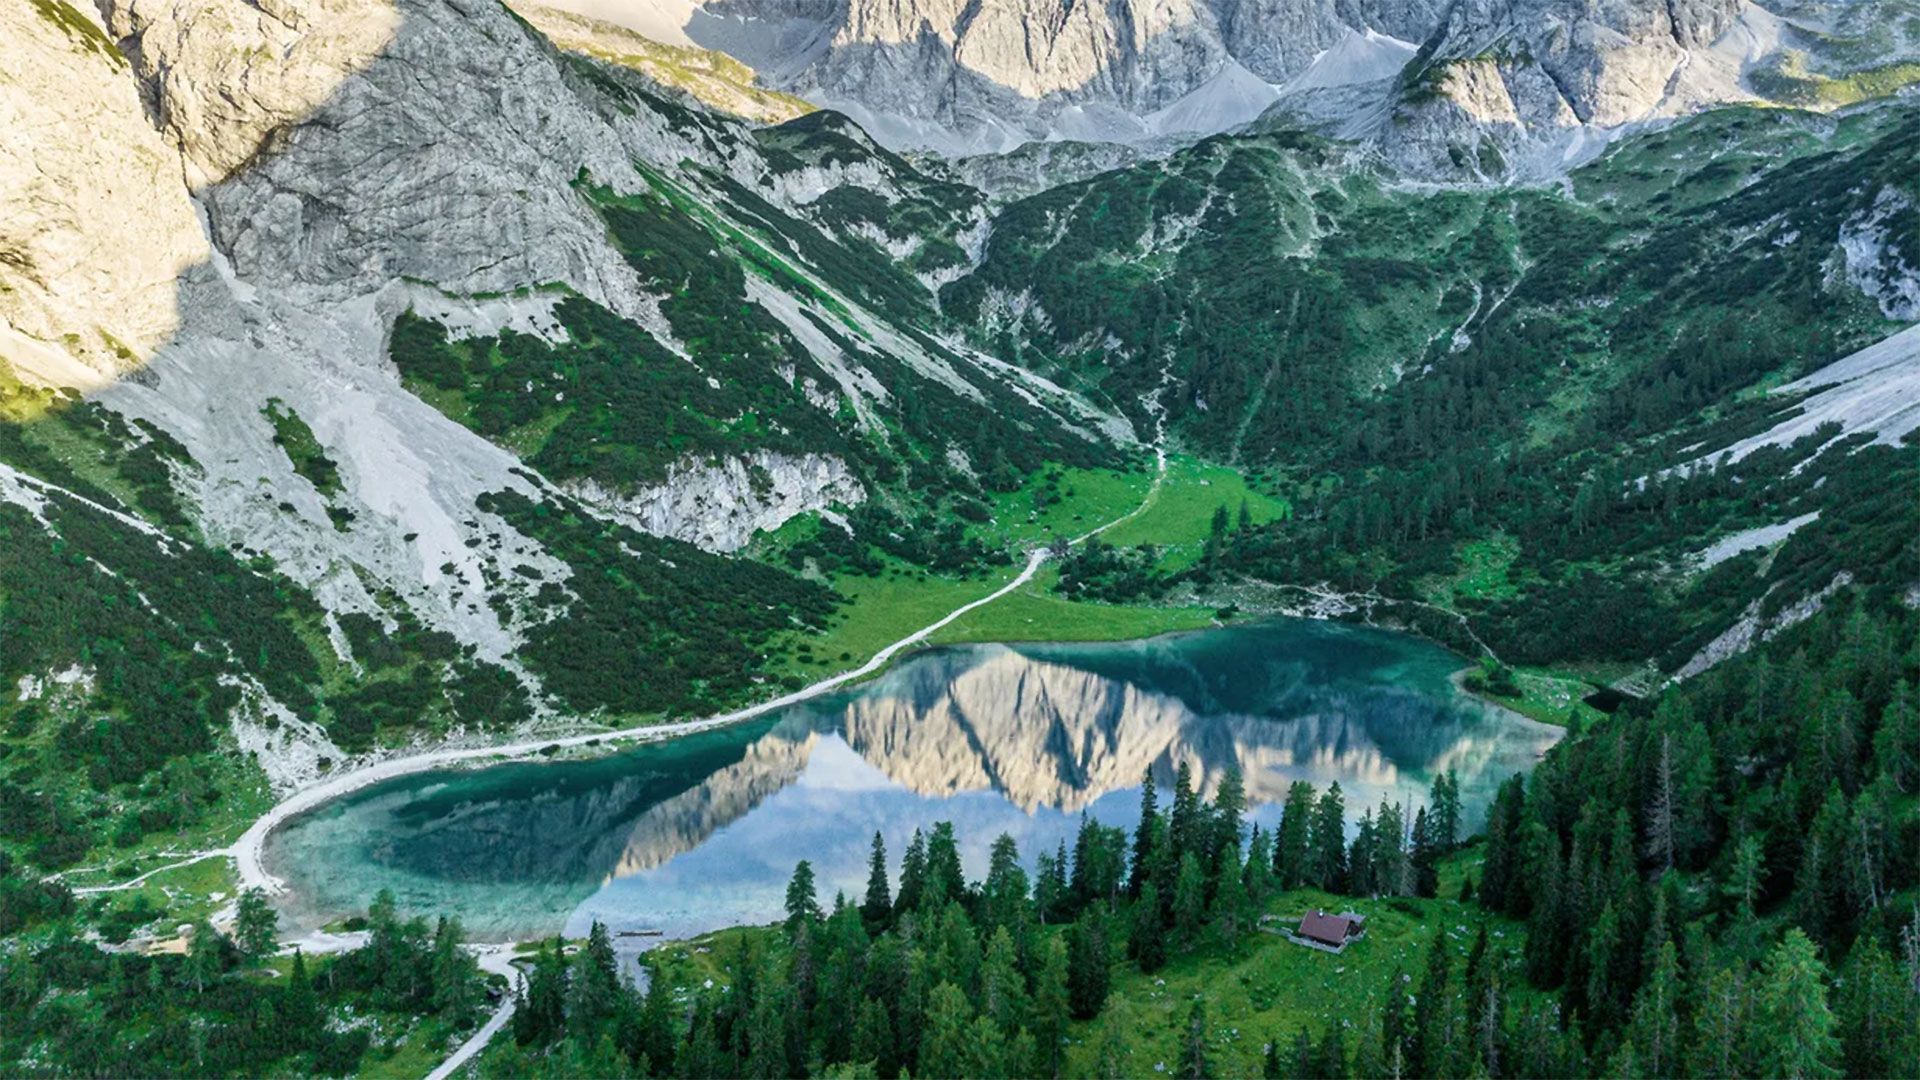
(421,404)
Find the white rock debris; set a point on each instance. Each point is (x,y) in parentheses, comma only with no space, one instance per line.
(720,504)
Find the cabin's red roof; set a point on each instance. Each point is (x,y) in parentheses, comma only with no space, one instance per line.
(1326,929)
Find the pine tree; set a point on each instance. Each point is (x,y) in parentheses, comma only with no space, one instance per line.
(1654,1031)
(1446,811)
(255,926)
(1189,901)
(657,1030)
(803,906)
(1430,1040)
(1003,989)
(1258,873)
(455,993)
(1142,837)
(1229,810)
(1793,1034)
(1878,1014)
(1089,973)
(1292,858)
(1052,1004)
(945,1049)
(300,1008)
(876,910)
(1052,895)
(1186,824)
(873,1037)
(1146,938)
(206,955)
(1501,887)
(913,875)
(1004,893)
(541,1016)
(945,882)
(1328,842)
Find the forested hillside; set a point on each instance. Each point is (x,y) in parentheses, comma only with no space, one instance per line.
(1529,389)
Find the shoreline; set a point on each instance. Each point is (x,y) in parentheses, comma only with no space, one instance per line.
(247,851)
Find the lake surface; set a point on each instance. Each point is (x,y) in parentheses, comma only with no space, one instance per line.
(687,835)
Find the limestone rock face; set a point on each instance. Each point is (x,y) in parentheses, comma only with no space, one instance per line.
(962,77)
(94,230)
(719,505)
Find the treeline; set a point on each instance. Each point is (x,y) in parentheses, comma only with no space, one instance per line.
(215,1010)
(947,977)
(1728,882)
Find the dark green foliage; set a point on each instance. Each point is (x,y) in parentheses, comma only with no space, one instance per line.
(292,435)
(653,624)
(1431,370)
(74,1009)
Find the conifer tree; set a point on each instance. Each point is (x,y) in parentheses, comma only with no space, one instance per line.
(255,926)
(945,1047)
(876,909)
(1146,938)
(944,882)
(1143,836)
(1328,842)
(803,905)
(1189,901)
(913,875)
(1052,1004)
(1292,859)
(1089,974)
(1793,1031)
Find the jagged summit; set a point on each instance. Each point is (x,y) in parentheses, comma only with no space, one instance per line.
(1428,81)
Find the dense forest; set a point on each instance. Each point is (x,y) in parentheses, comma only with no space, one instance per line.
(226,1005)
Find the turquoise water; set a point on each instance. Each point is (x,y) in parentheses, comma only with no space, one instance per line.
(687,835)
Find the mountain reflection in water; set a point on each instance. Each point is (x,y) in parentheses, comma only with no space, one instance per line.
(704,831)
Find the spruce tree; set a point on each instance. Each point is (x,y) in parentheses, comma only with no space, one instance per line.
(1189,901)
(945,1049)
(913,875)
(803,905)
(1292,844)
(1147,939)
(1793,1031)
(1053,1004)
(876,909)
(255,926)
(1089,973)
(1328,840)
(1142,836)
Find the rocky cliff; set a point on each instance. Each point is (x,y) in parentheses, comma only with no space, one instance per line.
(216,212)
